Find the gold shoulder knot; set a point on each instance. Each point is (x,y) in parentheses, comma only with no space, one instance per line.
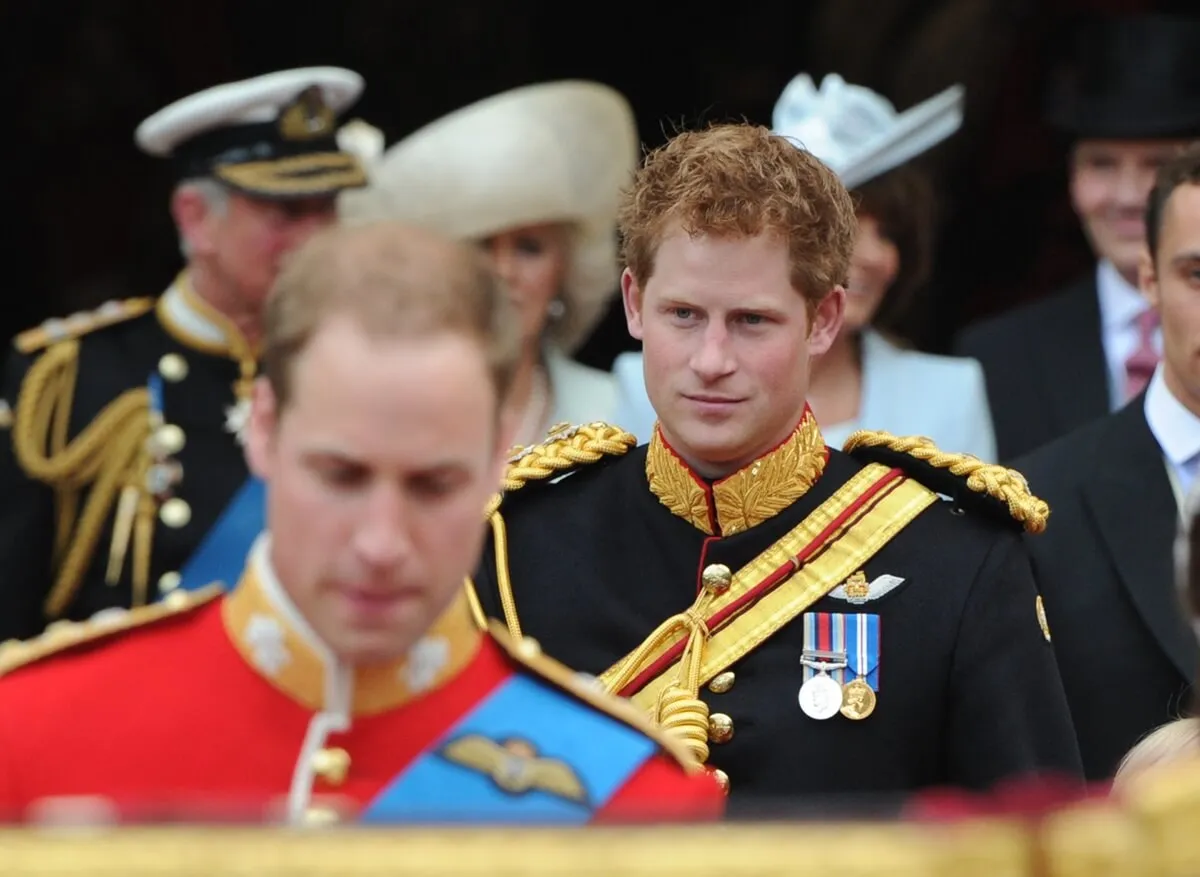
(81,323)
(565,448)
(1005,486)
(528,653)
(63,635)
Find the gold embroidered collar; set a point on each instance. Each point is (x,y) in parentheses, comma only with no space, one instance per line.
(749,496)
(275,640)
(195,323)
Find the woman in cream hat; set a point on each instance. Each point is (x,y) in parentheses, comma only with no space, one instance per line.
(533,175)
(869,378)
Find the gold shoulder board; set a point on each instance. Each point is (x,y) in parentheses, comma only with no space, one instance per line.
(565,448)
(81,323)
(1002,489)
(61,636)
(528,653)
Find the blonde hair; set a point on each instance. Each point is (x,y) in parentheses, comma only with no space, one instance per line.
(1175,741)
(395,281)
(742,180)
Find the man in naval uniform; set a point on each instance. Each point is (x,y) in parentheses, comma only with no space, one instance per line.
(345,677)
(812,622)
(122,475)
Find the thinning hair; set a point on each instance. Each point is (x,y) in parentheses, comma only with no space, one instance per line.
(740,180)
(394,281)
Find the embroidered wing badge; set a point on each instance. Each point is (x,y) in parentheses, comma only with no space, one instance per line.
(515,767)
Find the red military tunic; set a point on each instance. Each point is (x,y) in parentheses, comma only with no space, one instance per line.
(230,708)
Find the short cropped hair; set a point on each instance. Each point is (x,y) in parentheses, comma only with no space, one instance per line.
(1182,170)
(394,281)
(740,180)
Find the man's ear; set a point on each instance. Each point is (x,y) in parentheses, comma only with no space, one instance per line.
(260,431)
(631,296)
(827,319)
(195,219)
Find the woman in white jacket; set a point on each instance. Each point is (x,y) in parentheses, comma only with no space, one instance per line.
(532,175)
(870,379)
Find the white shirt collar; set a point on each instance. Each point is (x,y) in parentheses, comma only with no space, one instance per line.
(1176,429)
(1120,303)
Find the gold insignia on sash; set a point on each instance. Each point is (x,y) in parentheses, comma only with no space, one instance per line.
(1006,486)
(753,494)
(1041,617)
(515,767)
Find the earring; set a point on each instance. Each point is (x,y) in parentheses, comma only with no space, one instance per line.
(556,310)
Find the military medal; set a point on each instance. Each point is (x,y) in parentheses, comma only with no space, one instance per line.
(841,661)
(862,647)
(858,700)
(821,696)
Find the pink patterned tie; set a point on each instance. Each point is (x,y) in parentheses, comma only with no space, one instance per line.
(1140,365)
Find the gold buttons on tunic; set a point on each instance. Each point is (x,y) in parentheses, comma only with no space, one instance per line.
(332,765)
(168,582)
(716,578)
(722,682)
(722,779)
(173,367)
(720,728)
(175,513)
(169,439)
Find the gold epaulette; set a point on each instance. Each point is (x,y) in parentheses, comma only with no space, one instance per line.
(526,652)
(565,448)
(81,323)
(941,471)
(61,636)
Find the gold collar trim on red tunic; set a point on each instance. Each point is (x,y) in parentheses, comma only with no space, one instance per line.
(277,642)
(745,498)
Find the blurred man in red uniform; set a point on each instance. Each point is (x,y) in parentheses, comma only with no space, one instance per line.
(345,676)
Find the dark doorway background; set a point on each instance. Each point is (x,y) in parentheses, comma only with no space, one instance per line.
(87,212)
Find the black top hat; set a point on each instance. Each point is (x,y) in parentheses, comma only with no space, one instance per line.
(1131,77)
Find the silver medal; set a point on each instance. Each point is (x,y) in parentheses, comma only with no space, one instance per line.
(821,697)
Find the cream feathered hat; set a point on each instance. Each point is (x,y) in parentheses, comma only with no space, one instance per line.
(553,152)
(856,131)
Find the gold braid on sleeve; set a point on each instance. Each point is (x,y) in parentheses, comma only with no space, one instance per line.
(565,448)
(1001,483)
(108,455)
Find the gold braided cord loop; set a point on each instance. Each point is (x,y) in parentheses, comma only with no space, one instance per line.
(107,455)
(679,711)
(566,447)
(1006,485)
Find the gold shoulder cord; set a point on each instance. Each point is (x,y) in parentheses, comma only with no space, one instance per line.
(107,454)
(565,448)
(1006,485)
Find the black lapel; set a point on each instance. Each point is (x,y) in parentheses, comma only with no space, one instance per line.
(1134,507)
(1072,354)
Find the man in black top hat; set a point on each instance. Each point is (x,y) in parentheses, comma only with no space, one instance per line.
(1129,101)
(124,478)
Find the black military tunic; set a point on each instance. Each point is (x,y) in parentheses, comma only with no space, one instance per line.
(182,467)
(968,691)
